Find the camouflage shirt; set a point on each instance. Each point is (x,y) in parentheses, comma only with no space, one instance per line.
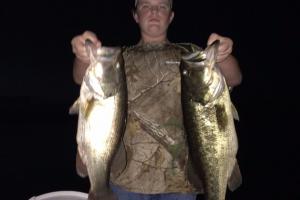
(154,154)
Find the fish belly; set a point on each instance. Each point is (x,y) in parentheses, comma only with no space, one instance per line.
(97,139)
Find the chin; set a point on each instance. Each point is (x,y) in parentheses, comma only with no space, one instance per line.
(155,29)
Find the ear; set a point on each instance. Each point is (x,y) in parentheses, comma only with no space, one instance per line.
(135,16)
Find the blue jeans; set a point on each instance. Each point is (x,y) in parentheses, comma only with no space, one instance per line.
(125,195)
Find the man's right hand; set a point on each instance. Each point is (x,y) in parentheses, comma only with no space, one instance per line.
(78,45)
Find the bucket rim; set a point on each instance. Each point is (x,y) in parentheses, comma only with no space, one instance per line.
(60,194)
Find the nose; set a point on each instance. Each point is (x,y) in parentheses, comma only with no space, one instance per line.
(154,9)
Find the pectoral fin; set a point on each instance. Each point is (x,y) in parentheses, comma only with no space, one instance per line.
(234,112)
(74,109)
(235,180)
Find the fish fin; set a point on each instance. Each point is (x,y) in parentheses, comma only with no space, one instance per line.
(80,167)
(235,112)
(235,179)
(74,109)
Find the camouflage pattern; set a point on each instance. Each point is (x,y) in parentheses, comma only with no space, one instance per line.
(154,155)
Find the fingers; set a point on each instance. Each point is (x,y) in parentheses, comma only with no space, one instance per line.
(213,37)
(78,45)
(225,47)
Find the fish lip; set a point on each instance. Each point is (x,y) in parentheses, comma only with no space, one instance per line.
(195,56)
(189,56)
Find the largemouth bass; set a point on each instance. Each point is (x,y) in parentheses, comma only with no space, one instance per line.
(102,107)
(209,122)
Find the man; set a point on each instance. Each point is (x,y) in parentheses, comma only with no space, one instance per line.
(152,163)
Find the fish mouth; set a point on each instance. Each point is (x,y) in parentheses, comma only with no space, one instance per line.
(196,56)
(195,60)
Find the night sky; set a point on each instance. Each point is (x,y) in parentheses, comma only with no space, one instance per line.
(38,135)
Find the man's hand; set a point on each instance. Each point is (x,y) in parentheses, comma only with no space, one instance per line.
(78,45)
(225,47)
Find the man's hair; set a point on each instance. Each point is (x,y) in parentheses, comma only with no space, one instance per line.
(171,3)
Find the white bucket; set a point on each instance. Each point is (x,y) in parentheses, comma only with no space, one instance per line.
(62,195)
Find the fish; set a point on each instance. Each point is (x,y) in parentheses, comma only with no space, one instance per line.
(208,116)
(102,113)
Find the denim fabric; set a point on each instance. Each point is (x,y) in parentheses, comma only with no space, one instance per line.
(125,195)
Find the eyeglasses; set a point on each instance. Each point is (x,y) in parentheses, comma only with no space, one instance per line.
(146,7)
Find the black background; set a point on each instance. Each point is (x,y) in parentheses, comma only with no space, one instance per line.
(38,135)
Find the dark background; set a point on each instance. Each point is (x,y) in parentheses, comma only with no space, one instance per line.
(37,149)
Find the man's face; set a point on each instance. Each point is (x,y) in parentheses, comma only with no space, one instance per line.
(153,17)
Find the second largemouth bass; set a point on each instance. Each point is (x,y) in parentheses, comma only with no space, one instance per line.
(209,122)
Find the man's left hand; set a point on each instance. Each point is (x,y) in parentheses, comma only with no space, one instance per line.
(225,47)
